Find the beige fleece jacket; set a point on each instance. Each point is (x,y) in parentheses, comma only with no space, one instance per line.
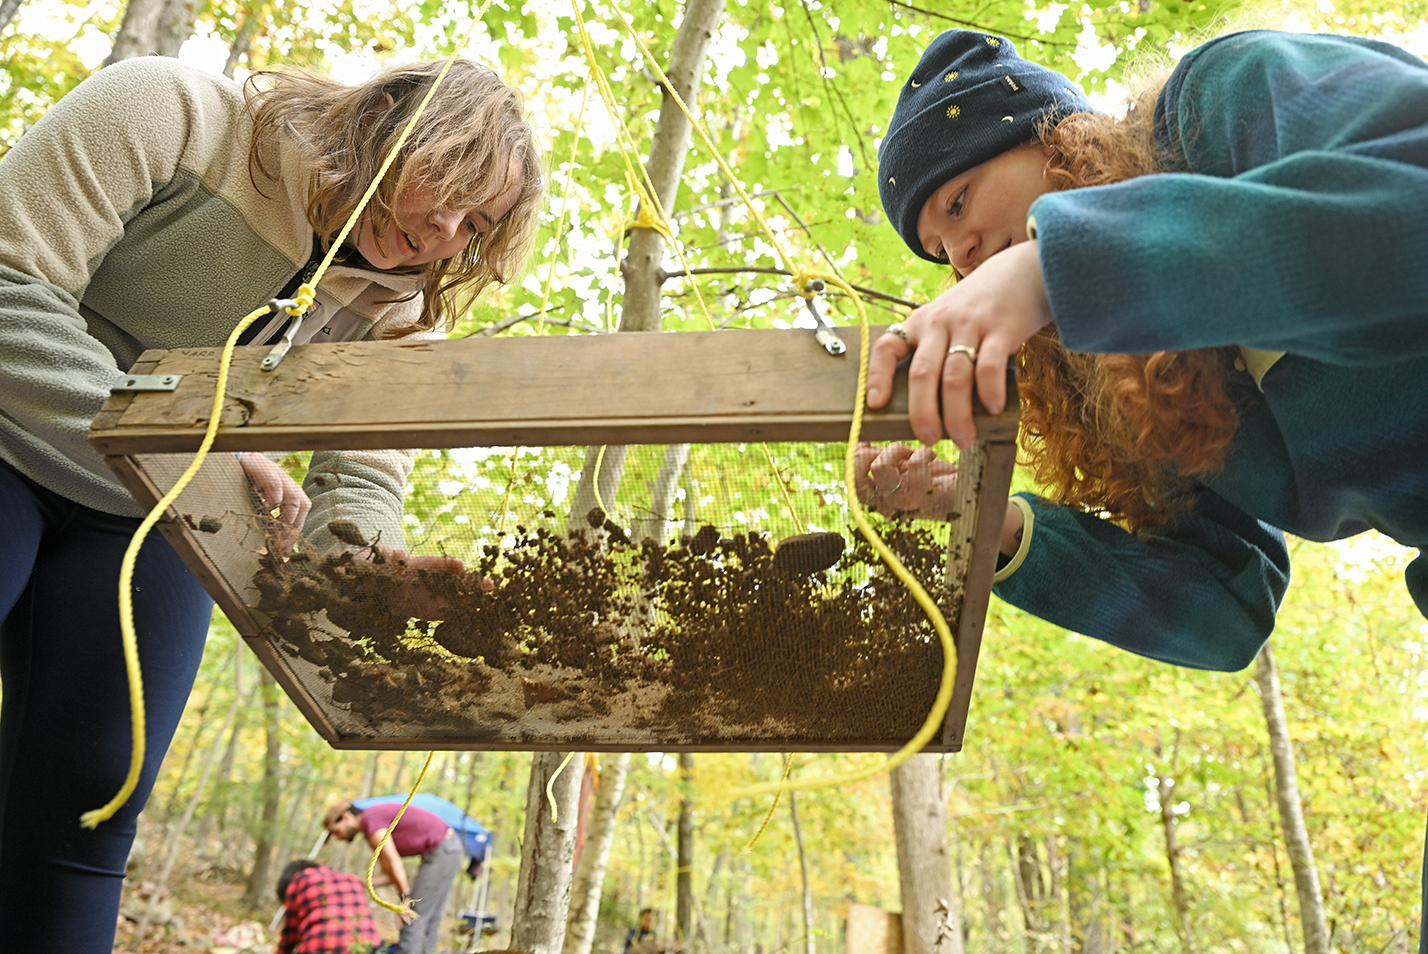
(129,220)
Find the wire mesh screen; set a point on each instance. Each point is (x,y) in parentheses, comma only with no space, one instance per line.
(709,596)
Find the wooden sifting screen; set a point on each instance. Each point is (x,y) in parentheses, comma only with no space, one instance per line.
(657,614)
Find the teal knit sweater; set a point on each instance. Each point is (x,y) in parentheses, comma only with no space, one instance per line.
(1298,224)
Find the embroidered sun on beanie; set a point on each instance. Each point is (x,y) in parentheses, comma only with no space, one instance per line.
(970,98)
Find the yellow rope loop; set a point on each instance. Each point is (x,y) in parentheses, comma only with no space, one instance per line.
(623,134)
(404,907)
(646,220)
(709,144)
(804,281)
(306,295)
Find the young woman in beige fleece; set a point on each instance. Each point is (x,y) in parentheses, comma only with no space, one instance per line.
(151,208)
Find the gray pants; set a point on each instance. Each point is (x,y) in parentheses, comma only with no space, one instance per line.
(430,889)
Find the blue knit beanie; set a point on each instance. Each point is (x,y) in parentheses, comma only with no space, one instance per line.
(970,98)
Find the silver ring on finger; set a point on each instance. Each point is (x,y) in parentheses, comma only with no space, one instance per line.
(888,493)
(896,328)
(968,350)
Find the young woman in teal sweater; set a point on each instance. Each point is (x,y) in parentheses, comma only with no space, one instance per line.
(1218,309)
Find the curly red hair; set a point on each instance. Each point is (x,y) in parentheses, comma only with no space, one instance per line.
(1119,434)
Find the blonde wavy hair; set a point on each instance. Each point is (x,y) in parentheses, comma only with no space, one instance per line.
(1120,434)
(470,134)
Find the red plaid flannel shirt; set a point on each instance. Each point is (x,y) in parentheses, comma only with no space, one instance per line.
(326,913)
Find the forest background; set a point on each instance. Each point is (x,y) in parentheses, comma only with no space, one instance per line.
(1089,773)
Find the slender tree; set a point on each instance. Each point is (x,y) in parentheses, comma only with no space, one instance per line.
(255,895)
(590,866)
(176,835)
(810,944)
(1291,810)
(684,872)
(543,886)
(1169,823)
(930,922)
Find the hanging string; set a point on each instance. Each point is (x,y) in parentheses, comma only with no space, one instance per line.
(787,764)
(550,786)
(651,211)
(802,282)
(545,296)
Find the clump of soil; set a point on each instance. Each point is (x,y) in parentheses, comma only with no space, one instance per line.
(591,637)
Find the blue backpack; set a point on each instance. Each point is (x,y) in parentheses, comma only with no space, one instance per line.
(475,838)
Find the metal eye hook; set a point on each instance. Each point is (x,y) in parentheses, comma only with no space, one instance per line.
(824,333)
(285,343)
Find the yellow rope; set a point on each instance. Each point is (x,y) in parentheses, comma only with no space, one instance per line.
(933,722)
(787,764)
(783,488)
(550,786)
(564,204)
(405,907)
(802,279)
(545,297)
(651,213)
(91,819)
(595,479)
(303,300)
(648,191)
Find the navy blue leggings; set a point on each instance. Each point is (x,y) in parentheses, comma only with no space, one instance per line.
(64,719)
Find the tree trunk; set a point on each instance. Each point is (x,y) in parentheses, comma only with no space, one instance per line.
(8,9)
(590,867)
(705,934)
(242,44)
(684,859)
(991,892)
(174,26)
(543,886)
(1085,905)
(656,524)
(1168,821)
(809,944)
(930,922)
(1027,875)
(255,896)
(1291,811)
(136,33)
(218,808)
(297,808)
(643,264)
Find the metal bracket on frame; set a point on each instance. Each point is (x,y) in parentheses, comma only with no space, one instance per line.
(137,383)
